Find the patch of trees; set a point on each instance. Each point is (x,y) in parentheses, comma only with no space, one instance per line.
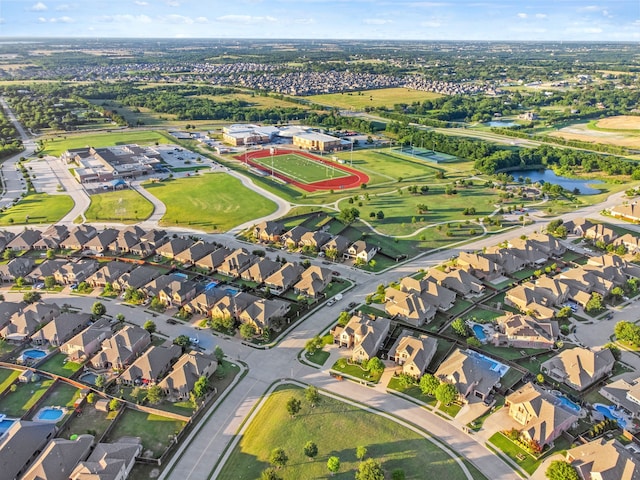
(10,142)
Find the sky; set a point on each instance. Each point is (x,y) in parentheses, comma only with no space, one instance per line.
(583,20)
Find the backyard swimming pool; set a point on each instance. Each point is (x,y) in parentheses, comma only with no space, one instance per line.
(5,424)
(34,354)
(565,402)
(88,378)
(479,332)
(611,413)
(493,365)
(49,414)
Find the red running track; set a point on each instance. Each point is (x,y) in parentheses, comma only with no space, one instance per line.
(353,180)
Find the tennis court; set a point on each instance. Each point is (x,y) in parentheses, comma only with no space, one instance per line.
(426,154)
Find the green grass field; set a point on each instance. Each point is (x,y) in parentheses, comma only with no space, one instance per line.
(385,97)
(126,206)
(39,208)
(300,168)
(16,404)
(56,146)
(395,446)
(7,377)
(388,165)
(216,201)
(58,366)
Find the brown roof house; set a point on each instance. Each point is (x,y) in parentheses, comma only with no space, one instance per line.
(314,240)
(579,367)
(475,377)
(100,243)
(127,239)
(17,267)
(78,237)
(185,373)
(204,301)
(214,259)
(174,246)
(231,306)
(436,295)
(524,331)
(237,262)
(262,313)
(61,329)
(259,271)
(531,300)
(578,226)
(108,461)
(28,320)
(121,349)
(479,265)
(542,415)
(313,282)
(364,335)
(21,444)
(604,459)
(413,353)
(178,292)
(627,211)
(408,306)
(195,252)
(45,269)
(24,240)
(361,251)
(149,368)
(292,238)
(284,278)
(338,243)
(600,233)
(51,237)
(508,260)
(8,309)
(109,273)
(268,231)
(59,458)
(88,341)
(74,272)
(458,280)
(624,394)
(137,278)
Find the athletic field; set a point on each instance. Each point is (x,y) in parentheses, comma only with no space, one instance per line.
(304,170)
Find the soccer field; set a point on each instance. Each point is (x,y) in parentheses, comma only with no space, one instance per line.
(300,168)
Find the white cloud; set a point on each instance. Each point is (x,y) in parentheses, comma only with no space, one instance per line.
(589,8)
(246,19)
(304,21)
(178,19)
(42,20)
(202,20)
(522,15)
(38,7)
(2,20)
(587,30)
(64,19)
(430,24)
(141,4)
(173,3)
(63,7)
(124,19)
(541,15)
(376,21)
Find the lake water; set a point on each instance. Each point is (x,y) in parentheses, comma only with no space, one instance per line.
(501,124)
(550,177)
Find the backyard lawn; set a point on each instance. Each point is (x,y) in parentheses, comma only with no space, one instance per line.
(216,201)
(126,206)
(90,421)
(58,146)
(37,208)
(154,430)
(7,377)
(356,371)
(58,366)
(16,404)
(395,446)
(527,462)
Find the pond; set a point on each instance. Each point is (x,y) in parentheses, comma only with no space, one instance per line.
(501,124)
(550,177)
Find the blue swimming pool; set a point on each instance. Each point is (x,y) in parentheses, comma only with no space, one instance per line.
(230,291)
(180,275)
(565,402)
(88,378)
(5,424)
(210,286)
(49,414)
(34,354)
(479,332)
(610,412)
(493,365)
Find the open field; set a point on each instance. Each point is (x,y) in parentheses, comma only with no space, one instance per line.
(395,446)
(388,164)
(254,101)
(57,145)
(216,201)
(37,208)
(620,122)
(126,206)
(385,97)
(300,168)
(584,132)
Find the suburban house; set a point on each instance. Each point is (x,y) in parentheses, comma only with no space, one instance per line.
(363,334)
(78,237)
(237,262)
(630,242)
(473,376)
(88,341)
(604,459)
(51,237)
(121,349)
(204,301)
(626,211)
(508,261)
(8,309)
(284,278)
(76,272)
(195,252)
(259,271)
(28,320)
(185,373)
(127,238)
(5,238)
(17,267)
(59,458)
(24,241)
(579,367)
(530,300)
(408,306)
(458,280)
(21,444)
(109,273)
(173,247)
(213,260)
(528,251)
(524,331)
(338,243)
(149,368)
(549,244)
(360,251)
(108,461)
(268,231)
(435,295)
(149,242)
(137,278)
(100,243)
(45,269)
(178,292)
(413,353)
(600,233)
(479,265)
(292,238)
(314,240)
(313,282)
(61,329)
(262,313)
(578,226)
(624,394)
(231,306)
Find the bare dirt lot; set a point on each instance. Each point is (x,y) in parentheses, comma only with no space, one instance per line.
(582,132)
(620,122)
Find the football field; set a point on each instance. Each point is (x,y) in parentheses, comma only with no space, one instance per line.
(299,168)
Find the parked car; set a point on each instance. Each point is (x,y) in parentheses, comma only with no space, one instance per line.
(352,305)
(171,321)
(331,302)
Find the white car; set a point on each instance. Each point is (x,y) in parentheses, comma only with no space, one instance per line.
(194,340)
(331,302)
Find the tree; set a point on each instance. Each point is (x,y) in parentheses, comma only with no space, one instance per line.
(49,282)
(182,341)
(375,366)
(361,452)
(120,317)
(31,297)
(19,281)
(293,406)
(540,378)
(98,309)
(149,326)
(561,470)
(627,332)
(615,351)
(100,381)
(380,215)
(154,394)
(333,465)
(460,327)
(310,450)
(564,313)
(313,344)
(247,331)
(114,404)
(91,398)
(617,293)
(218,353)
(312,395)
(278,457)
(370,469)
(429,384)
(348,215)
(398,474)
(594,304)
(201,387)
(51,254)
(269,474)
(446,393)
(136,393)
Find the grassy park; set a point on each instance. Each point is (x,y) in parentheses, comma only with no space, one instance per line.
(37,208)
(300,168)
(395,446)
(56,146)
(126,206)
(215,202)
(384,97)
